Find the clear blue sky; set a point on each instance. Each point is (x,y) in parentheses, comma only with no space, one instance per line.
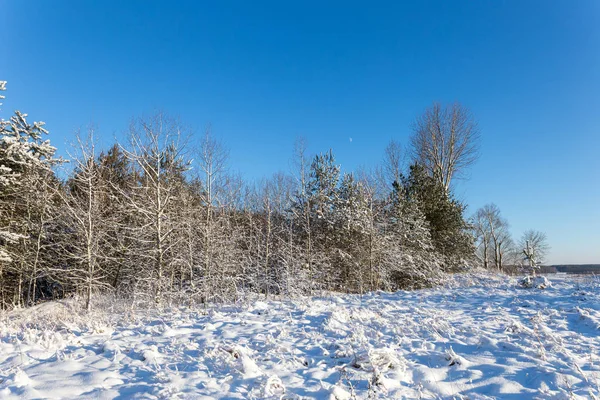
(263,73)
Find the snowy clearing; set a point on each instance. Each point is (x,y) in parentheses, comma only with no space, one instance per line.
(479,338)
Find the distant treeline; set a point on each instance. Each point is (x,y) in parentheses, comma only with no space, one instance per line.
(583,269)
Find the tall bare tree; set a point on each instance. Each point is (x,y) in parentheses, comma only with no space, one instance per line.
(83,205)
(301,207)
(158,152)
(213,174)
(393,163)
(445,141)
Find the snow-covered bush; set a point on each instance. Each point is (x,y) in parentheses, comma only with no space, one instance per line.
(536,282)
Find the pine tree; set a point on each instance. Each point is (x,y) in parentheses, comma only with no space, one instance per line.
(321,199)
(411,256)
(26,181)
(351,234)
(26,187)
(118,177)
(449,230)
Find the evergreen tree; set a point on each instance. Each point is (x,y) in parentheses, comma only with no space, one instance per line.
(27,185)
(413,261)
(351,233)
(322,195)
(444,214)
(118,177)
(322,188)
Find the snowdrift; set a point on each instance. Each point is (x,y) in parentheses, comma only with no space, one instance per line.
(477,338)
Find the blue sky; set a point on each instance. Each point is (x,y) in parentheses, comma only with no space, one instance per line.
(263,73)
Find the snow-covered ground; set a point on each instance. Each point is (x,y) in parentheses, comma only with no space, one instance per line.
(478,338)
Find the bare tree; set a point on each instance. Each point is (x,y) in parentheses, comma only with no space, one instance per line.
(492,234)
(482,233)
(189,250)
(157,150)
(83,203)
(269,214)
(265,240)
(301,207)
(34,216)
(534,245)
(212,164)
(393,162)
(445,141)
(285,268)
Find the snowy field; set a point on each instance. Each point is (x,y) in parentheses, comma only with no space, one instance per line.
(479,338)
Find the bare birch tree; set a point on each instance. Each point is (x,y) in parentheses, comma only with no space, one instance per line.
(212,165)
(83,206)
(157,150)
(301,206)
(445,141)
(393,163)
(492,235)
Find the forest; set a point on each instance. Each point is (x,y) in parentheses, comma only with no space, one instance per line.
(160,218)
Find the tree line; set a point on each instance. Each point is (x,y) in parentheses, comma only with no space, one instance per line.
(495,247)
(160,218)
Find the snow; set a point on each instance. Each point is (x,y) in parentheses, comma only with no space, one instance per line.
(538,282)
(480,337)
